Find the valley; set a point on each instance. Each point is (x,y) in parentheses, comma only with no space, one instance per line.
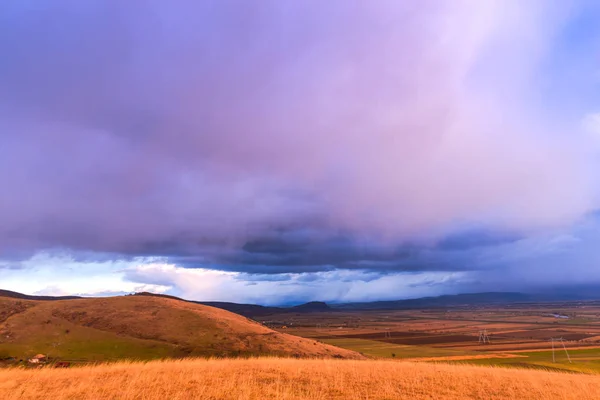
(517,334)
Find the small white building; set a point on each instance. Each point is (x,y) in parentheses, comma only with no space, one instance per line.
(38,359)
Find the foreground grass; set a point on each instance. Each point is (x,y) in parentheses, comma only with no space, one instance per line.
(278,378)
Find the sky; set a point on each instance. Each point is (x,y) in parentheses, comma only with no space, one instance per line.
(280,151)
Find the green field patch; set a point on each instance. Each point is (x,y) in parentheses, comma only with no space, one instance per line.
(89,345)
(378,349)
(582,360)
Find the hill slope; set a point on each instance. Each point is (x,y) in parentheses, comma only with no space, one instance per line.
(141,327)
(271,378)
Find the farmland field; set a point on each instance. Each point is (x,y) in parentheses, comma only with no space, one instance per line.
(520,335)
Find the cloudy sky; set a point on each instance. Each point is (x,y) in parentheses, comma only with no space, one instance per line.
(282,151)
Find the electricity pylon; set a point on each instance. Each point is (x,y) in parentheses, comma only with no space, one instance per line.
(484,338)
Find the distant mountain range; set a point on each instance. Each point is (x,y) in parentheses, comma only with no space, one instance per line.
(474,299)
(254,310)
(453,300)
(16,295)
(444,301)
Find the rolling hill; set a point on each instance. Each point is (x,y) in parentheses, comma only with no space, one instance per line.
(141,327)
(247,310)
(443,301)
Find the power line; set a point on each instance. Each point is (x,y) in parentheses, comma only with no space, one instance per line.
(562,341)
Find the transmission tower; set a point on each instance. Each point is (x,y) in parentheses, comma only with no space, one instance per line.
(562,341)
(387,333)
(484,338)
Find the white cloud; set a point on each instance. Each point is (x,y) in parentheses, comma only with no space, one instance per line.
(337,286)
(59,274)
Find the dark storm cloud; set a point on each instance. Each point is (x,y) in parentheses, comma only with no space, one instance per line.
(308,250)
(321,258)
(280,137)
(475,238)
(303,251)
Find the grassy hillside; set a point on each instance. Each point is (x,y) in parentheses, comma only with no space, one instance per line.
(141,328)
(271,378)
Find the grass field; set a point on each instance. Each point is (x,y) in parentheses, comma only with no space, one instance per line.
(273,378)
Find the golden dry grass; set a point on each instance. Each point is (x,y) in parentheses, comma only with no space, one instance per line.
(273,378)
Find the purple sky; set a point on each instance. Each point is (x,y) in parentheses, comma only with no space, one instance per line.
(281,151)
